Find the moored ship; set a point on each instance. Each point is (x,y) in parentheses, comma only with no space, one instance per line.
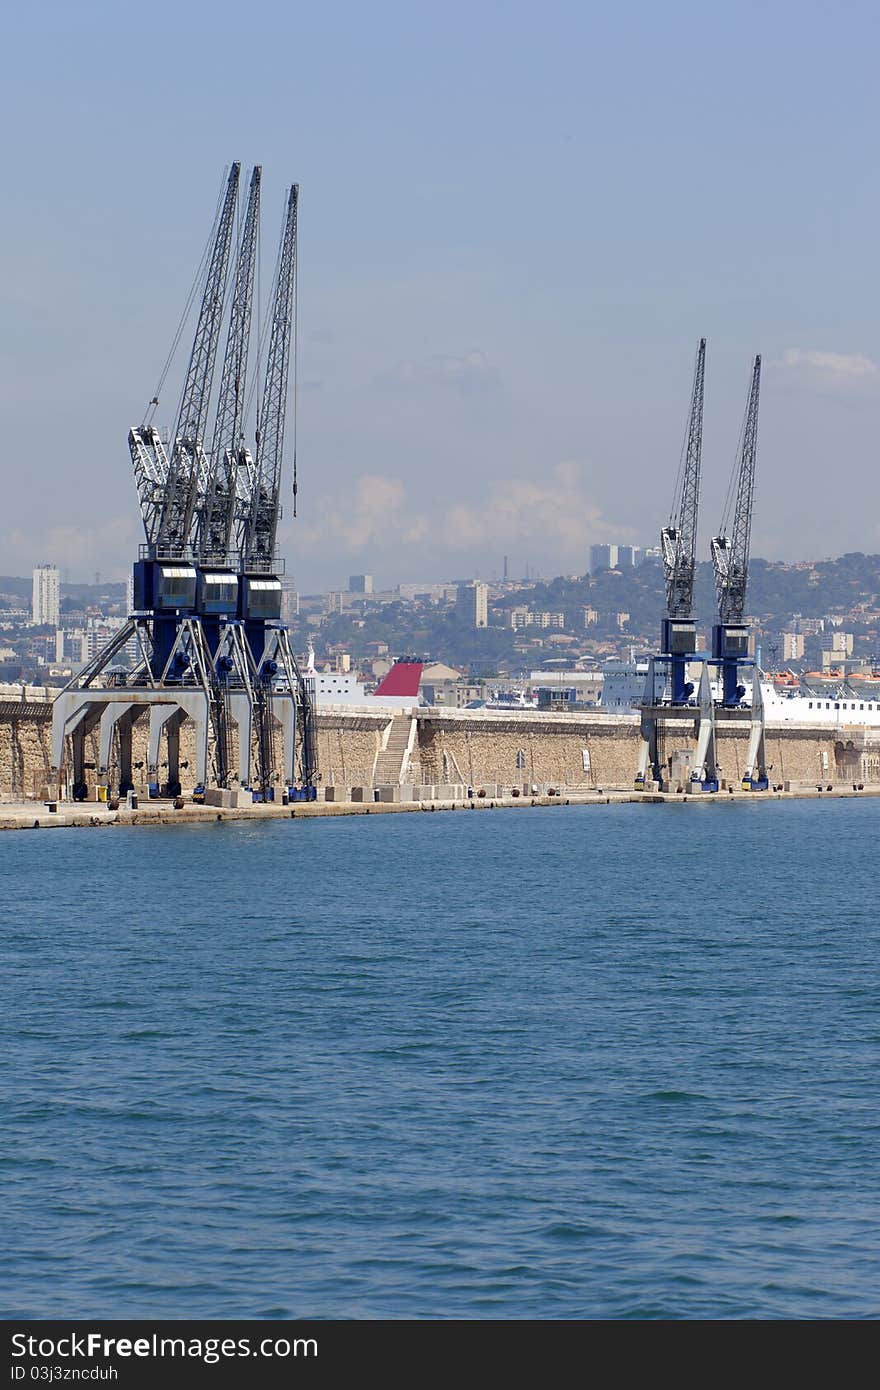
(624,691)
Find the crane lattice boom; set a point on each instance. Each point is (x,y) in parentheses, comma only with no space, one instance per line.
(730,556)
(188,468)
(678,540)
(260,527)
(217,512)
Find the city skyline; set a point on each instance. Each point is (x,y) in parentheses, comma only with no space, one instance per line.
(500,300)
(818,620)
(632,555)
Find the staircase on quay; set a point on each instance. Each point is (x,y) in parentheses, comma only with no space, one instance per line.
(392,760)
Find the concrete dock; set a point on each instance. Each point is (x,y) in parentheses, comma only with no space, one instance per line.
(33,815)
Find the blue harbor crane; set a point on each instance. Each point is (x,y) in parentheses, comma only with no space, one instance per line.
(730,634)
(730,557)
(205,632)
(678,542)
(165,578)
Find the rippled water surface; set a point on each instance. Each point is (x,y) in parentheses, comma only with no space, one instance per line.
(612,1061)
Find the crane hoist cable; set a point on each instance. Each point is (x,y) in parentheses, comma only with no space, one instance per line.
(295,377)
(197,284)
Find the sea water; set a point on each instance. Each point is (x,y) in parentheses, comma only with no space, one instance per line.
(613,1061)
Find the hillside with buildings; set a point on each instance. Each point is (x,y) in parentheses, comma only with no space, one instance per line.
(806,616)
(820,617)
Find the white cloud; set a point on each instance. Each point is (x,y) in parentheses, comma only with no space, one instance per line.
(374,513)
(829,368)
(77,551)
(554,514)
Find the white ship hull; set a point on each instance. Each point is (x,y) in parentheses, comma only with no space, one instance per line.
(624,691)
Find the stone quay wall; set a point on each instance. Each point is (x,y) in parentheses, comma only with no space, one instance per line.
(517,749)
(348,745)
(598,750)
(476,748)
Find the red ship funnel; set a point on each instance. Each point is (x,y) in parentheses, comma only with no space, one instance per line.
(402,679)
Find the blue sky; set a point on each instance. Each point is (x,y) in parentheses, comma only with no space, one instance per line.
(515,223)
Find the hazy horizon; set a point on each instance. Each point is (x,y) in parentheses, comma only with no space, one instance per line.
(514,228)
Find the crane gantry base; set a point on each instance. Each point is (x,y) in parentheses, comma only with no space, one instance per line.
(696,723)
(214,692)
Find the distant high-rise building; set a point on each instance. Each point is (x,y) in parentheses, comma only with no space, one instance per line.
(472,604)
(603,557)
(792,646)
(132,650)
(360,584)
(428,592)
(840,642)
(98,632)
(527,617)
(47,596)
(618,557)
(628,555)
(289,601)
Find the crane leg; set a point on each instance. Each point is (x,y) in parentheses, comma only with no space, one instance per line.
(755,777)
(706,769)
